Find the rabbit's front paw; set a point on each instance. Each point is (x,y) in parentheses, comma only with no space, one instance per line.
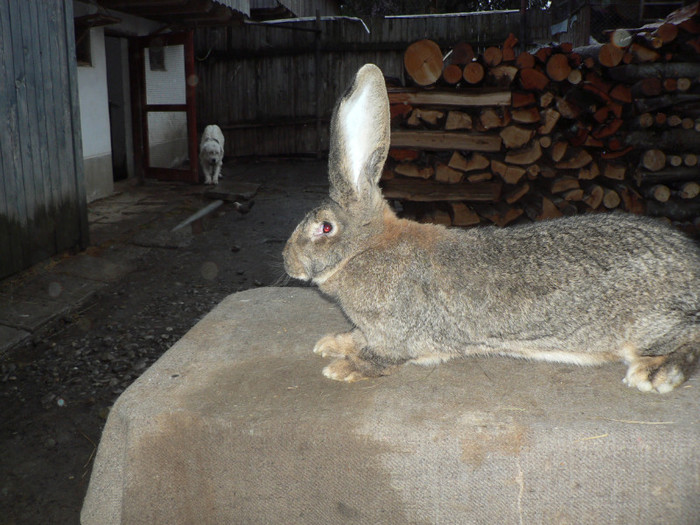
(343,370)
(654,374)
(339,345)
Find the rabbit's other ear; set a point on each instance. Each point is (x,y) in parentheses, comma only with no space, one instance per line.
(360,134)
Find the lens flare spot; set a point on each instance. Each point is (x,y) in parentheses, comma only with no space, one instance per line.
(55,289)
(209,270)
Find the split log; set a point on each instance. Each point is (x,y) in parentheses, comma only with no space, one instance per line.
(521,99)
(423,62)
(480,177)
(463,215)
(458,120)
(447,175)
(448,98)
(558,150)
(526,115)
(550,117)
(525,60)
(500,214)
(437,216)
(508,48)
(428,191)
(574,195)
(567,109)
(593,197)
(631,200)
(403,154)
(542,209)
(532,79)
(475,162)
(509,174)
(579,160)
(408,169)
(546,99)
(525,156)
(429,116)
(502,75)
(614,171)
(516,136)
(491,118)
(564,183)
(438,140)
(590,172)
(516,193)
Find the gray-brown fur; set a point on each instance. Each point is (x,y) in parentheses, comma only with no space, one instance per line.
(583,290)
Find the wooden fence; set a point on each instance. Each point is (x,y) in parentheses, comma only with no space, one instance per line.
(43,208)
(272,87)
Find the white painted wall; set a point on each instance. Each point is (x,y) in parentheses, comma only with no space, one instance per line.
(92,87)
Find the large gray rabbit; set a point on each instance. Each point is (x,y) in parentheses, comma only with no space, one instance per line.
(584,290)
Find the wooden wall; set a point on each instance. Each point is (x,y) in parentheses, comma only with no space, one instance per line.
(259,82)
(42,197)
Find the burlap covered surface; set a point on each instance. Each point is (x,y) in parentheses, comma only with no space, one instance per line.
(236,424)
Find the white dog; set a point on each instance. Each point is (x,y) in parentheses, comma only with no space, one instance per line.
(211,153)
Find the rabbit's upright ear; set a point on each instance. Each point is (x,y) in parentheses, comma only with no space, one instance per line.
(360,134)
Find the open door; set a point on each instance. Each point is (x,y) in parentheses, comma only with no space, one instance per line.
(163,106)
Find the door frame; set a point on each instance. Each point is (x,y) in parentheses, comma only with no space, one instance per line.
(141,109)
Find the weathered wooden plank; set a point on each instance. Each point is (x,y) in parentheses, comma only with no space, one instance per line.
(441,140)
(10,203)
(430,191)
(449,98)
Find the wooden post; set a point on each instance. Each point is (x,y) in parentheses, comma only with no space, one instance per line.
(317,86)
(523,26)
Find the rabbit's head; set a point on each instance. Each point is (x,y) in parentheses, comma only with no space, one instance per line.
(339,228)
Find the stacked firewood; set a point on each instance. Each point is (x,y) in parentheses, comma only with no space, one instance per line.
(503,137)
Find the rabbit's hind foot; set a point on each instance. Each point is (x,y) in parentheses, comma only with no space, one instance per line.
(363,365)
(343,370)
(336,345)
(661,373)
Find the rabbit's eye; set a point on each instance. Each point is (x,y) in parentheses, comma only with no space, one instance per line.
(326,227)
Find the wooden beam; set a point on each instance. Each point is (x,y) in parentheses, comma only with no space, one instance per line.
(440,140)
(429,191)
(449,98)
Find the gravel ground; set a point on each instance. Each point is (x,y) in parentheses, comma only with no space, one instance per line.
(56,392)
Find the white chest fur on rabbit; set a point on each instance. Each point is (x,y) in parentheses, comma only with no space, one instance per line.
(581,290)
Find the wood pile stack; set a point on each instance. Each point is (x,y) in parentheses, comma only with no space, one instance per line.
(504,137)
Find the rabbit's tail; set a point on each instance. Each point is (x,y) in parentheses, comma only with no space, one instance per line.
(667,363)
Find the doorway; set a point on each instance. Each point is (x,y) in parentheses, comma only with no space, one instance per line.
(118,95)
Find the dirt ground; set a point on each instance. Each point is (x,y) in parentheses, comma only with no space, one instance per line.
(56,392)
